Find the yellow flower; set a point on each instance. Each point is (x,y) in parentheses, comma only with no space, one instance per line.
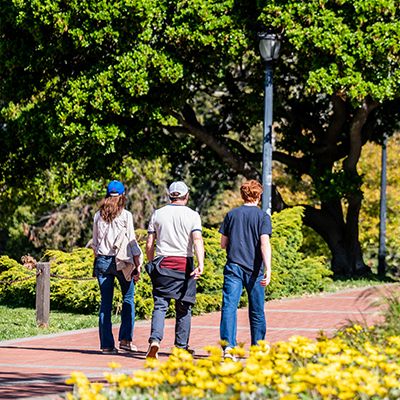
(238,351)
(289,397)
(187,390)
(114,365)
(252,367)
(151,363)
(204,363)
(346,395)
(283,367)
(212,384)
(198,393)
(79,379)
(96,387)
(391,381)
(391,350)
(228,380)
(370,349)
(394,339)
(114,378)
(390,367)
(251,387)
(299,340)
(299,387)
(326,391)
(182,354)
(360,360)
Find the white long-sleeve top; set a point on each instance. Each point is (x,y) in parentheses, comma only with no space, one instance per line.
(103,239)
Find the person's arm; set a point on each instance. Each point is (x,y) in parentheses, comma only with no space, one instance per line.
(136,260)
(224,242)
(266,255)
(151,238)
(199,251)
(95,237)
(136,251)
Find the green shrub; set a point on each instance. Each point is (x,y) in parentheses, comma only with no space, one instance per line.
(292,274)
(18,293)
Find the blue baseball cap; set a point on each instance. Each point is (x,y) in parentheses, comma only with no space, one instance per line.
(115,188)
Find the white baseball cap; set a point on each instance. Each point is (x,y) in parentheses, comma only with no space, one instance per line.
(178,187)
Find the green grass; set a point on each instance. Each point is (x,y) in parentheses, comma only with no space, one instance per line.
(21,322)
(343,282)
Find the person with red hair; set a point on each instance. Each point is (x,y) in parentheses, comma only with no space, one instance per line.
(245,236)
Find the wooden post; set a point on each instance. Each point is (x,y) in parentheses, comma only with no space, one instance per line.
(43,295)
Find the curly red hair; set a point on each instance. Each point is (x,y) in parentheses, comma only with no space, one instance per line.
(251,191)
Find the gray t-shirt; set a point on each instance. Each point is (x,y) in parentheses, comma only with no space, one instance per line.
(174,225)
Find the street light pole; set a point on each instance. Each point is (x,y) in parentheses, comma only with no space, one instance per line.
(382,222)
(267,139)
(270,44)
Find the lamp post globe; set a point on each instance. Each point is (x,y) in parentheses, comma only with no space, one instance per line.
(270,45)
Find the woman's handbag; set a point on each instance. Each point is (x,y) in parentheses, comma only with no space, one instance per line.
(94,270)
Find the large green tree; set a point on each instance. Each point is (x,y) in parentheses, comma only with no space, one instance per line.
(84,84)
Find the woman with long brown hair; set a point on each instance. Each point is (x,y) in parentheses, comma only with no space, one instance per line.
(117,255)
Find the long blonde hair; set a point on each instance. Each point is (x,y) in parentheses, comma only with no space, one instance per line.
(111,207)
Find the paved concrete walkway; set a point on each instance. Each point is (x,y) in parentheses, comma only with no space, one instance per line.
(37,367)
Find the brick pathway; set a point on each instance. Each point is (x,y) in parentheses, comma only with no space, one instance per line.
(37,367)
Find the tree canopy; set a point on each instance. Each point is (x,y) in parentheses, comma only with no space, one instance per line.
(84,84)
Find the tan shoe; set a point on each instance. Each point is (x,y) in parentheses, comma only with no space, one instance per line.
(128,346)
(109,351)
(152,352)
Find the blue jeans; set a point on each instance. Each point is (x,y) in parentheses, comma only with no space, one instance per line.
(234,281)
(183,312)
(106,271)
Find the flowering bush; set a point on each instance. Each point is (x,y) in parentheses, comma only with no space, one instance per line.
(297,369)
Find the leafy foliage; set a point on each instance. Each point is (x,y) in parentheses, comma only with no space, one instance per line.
(18,293)
(370,166)
(292,273)
(85,84)
(65,222)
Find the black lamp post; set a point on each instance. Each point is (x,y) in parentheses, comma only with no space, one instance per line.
(270,44)
(382,222)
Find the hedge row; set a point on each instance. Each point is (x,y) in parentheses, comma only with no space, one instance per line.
(292,274)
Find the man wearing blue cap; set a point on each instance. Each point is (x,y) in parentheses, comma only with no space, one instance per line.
(177,229)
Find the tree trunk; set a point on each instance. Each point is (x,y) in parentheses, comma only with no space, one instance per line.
(341,236)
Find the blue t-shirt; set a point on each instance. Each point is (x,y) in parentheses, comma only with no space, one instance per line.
(244,226)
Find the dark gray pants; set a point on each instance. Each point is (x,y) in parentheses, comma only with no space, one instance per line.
(183,312)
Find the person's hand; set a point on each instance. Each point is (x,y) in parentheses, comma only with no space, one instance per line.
(197,272)
(265,281)
(136,276)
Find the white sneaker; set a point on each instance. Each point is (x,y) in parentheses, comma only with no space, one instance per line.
(227,354)
(152,352)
